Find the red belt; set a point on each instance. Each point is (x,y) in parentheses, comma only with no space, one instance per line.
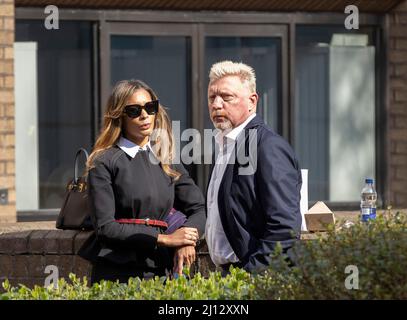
(147,222)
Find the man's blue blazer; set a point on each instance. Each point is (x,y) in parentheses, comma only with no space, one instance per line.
(260,207)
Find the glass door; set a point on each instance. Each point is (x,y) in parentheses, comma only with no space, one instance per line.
(159,54)
(161,62)
(263,47)
(175,58)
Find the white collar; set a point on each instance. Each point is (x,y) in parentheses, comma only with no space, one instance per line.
(232,135)
(130,147)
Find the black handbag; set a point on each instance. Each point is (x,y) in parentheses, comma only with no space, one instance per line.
(75,213)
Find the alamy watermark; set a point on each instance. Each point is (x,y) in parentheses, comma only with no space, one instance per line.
(352,20)
(52,20)
(52,279)
(204,150)
(352,280)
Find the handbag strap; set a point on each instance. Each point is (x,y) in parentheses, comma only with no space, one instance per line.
(75,173)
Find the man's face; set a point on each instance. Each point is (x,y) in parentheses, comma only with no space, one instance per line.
(230,102)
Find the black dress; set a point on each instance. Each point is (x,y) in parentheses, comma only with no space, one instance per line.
(124,187)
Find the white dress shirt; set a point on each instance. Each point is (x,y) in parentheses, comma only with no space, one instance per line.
(130,147)
(219,247)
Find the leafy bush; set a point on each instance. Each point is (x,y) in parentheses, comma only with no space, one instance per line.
(237,285)
(378,250)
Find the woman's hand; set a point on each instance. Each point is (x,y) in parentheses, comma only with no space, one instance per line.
(183,256)
(181,237)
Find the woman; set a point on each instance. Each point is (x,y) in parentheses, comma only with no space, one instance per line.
(133,185)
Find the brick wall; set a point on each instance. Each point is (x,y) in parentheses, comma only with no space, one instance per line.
(397,107)
(25,254)
(7,167)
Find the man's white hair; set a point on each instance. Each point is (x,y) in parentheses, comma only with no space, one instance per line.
(229,68)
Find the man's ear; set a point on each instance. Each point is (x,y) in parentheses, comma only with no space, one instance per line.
(253,101)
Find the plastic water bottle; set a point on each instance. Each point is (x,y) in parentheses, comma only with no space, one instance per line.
(368,201)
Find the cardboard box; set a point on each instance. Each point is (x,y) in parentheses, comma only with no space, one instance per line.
(318,217)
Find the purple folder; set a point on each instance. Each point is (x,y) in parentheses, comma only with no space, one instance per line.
(175,220)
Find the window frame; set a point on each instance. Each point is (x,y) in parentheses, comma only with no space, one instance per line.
(205,20)
(44,214)
(378,41)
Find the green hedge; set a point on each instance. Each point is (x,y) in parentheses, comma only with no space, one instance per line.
(238,285)
(378,249)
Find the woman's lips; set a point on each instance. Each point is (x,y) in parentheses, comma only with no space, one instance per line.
(145,126)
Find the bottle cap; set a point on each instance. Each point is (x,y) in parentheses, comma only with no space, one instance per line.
(369,180)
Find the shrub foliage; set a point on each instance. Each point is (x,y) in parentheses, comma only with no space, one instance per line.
(376,250)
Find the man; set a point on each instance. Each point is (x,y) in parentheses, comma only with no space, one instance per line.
(248,213)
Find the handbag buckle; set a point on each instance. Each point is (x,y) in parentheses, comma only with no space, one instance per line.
(80,187)
(147,221)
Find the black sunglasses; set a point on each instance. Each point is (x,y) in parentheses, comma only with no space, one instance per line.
(134,110)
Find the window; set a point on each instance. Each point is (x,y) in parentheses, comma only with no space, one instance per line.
(327,107)
(56,105)
(335,110)
(264,55)
(163,62)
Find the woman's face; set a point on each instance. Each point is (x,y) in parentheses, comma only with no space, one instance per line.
(139,129)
